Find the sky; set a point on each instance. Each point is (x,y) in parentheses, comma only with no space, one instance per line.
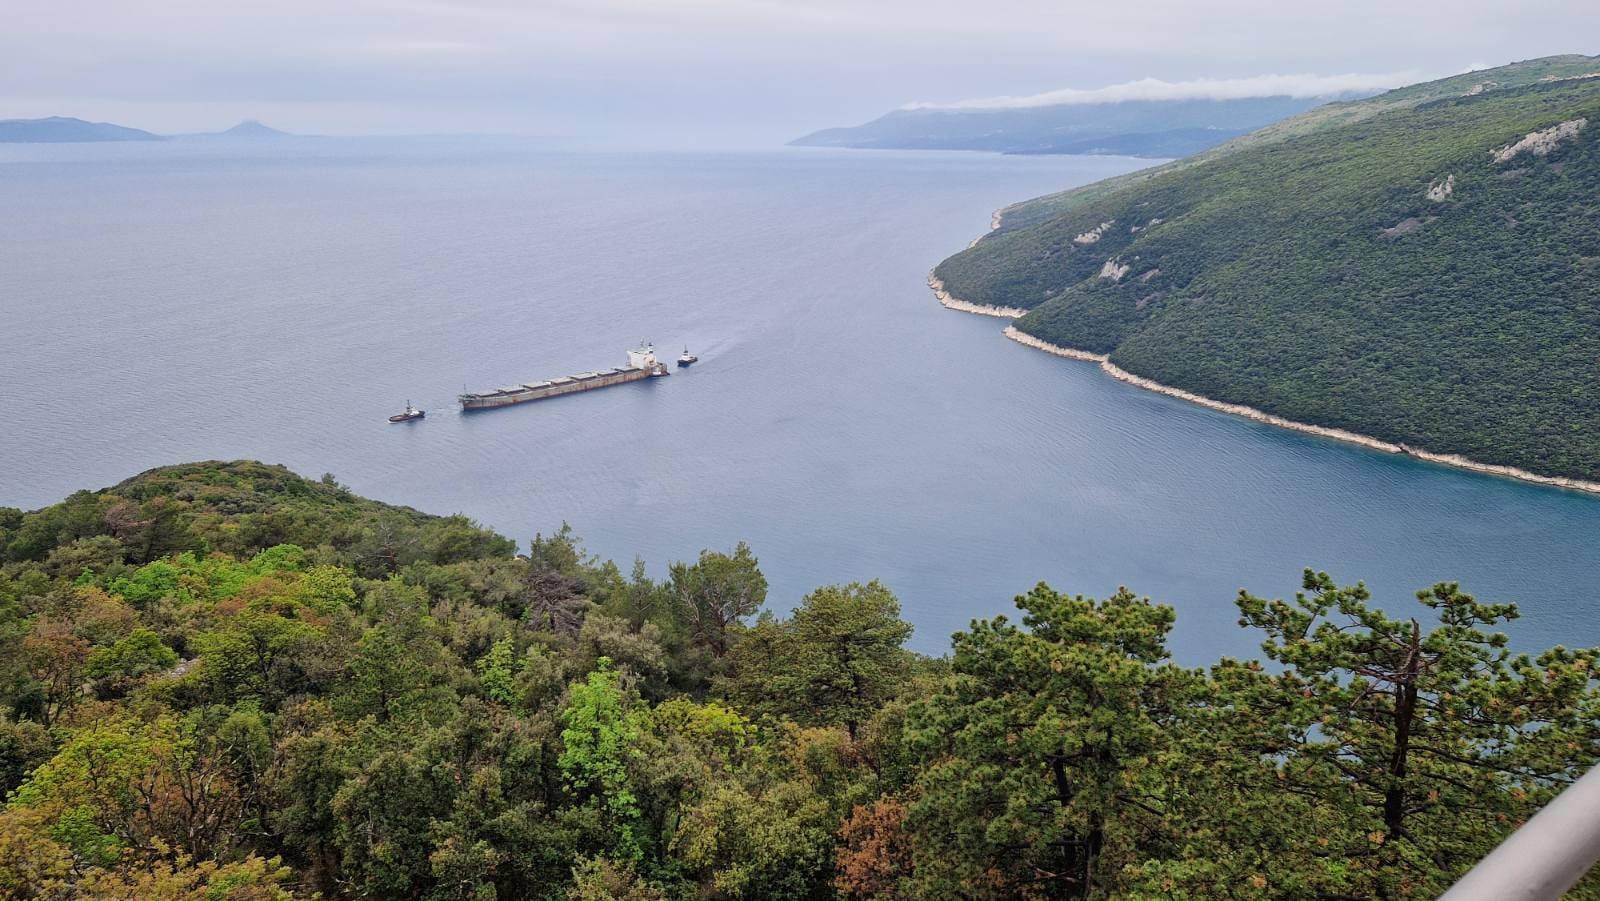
(708,73)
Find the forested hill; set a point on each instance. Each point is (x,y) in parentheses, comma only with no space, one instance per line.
(1423,267)
(221,680)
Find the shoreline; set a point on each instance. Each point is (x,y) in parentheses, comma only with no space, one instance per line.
(952,303)
(1456,461)
(994,225)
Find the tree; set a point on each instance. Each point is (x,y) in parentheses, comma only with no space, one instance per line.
(716,592)
(601,879)
(1042,746)
(185,879)
(23,746)
(834,662)
(636,652)
(122,785)
(497,672)
(383,823)
(874,851)
(118,667)
(847,656)
(155,529)
(601,734)
(1426,746)
(259,653)
(553,592)
(315,767)
(768,830)
(386,675)
(55,656)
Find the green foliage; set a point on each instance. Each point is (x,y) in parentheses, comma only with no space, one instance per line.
(497,671)
(88,796)
(23,746)
(140,654)
(310,719)
(601,732)
(261,654)
(716,593)
(1321,273)
(553,596)
(1044,748)
(1422,743)
(837,660)
(600,879)
(243,508)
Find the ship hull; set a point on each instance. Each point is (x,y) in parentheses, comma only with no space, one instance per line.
(557,388)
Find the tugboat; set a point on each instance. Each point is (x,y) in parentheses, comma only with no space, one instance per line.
(687,359)
(409,414)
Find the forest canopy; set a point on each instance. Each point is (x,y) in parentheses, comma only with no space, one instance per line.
(222,680)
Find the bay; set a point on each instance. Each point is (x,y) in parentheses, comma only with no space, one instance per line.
(162,303)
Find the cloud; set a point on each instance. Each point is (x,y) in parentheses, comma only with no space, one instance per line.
(1198,89)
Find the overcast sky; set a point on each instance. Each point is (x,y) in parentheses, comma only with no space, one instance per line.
(703,72)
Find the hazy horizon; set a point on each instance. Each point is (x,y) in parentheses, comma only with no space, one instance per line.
(712,73)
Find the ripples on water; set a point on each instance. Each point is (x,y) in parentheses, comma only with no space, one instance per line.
(179,302)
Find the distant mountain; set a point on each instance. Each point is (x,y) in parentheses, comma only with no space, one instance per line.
(1149,128)
(253,130)
(63,130)
(1422,266)
(248,130)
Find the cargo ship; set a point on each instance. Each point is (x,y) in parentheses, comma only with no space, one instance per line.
(642,364)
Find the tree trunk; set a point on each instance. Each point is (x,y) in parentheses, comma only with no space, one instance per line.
(1072,870)
(1405,708)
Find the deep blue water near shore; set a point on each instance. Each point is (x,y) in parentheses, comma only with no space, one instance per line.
(166,303)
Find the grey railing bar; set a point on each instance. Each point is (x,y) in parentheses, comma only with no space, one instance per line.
(1546,856)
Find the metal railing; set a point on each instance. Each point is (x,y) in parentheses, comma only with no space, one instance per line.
(1546,856)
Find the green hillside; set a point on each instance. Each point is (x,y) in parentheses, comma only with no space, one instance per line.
(1400,267)
(223,681)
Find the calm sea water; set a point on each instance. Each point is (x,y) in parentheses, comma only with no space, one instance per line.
(169,303)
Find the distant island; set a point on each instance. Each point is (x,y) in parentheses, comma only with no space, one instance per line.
(66,130)
(248,130)
(1419,270)
(1146,128)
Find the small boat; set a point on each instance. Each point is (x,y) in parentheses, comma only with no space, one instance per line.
(409,414)
(687,359)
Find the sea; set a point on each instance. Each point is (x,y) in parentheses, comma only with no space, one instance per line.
(163,303)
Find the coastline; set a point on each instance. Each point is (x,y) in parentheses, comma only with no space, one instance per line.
(952,303)
(1367,441)
(994,225)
